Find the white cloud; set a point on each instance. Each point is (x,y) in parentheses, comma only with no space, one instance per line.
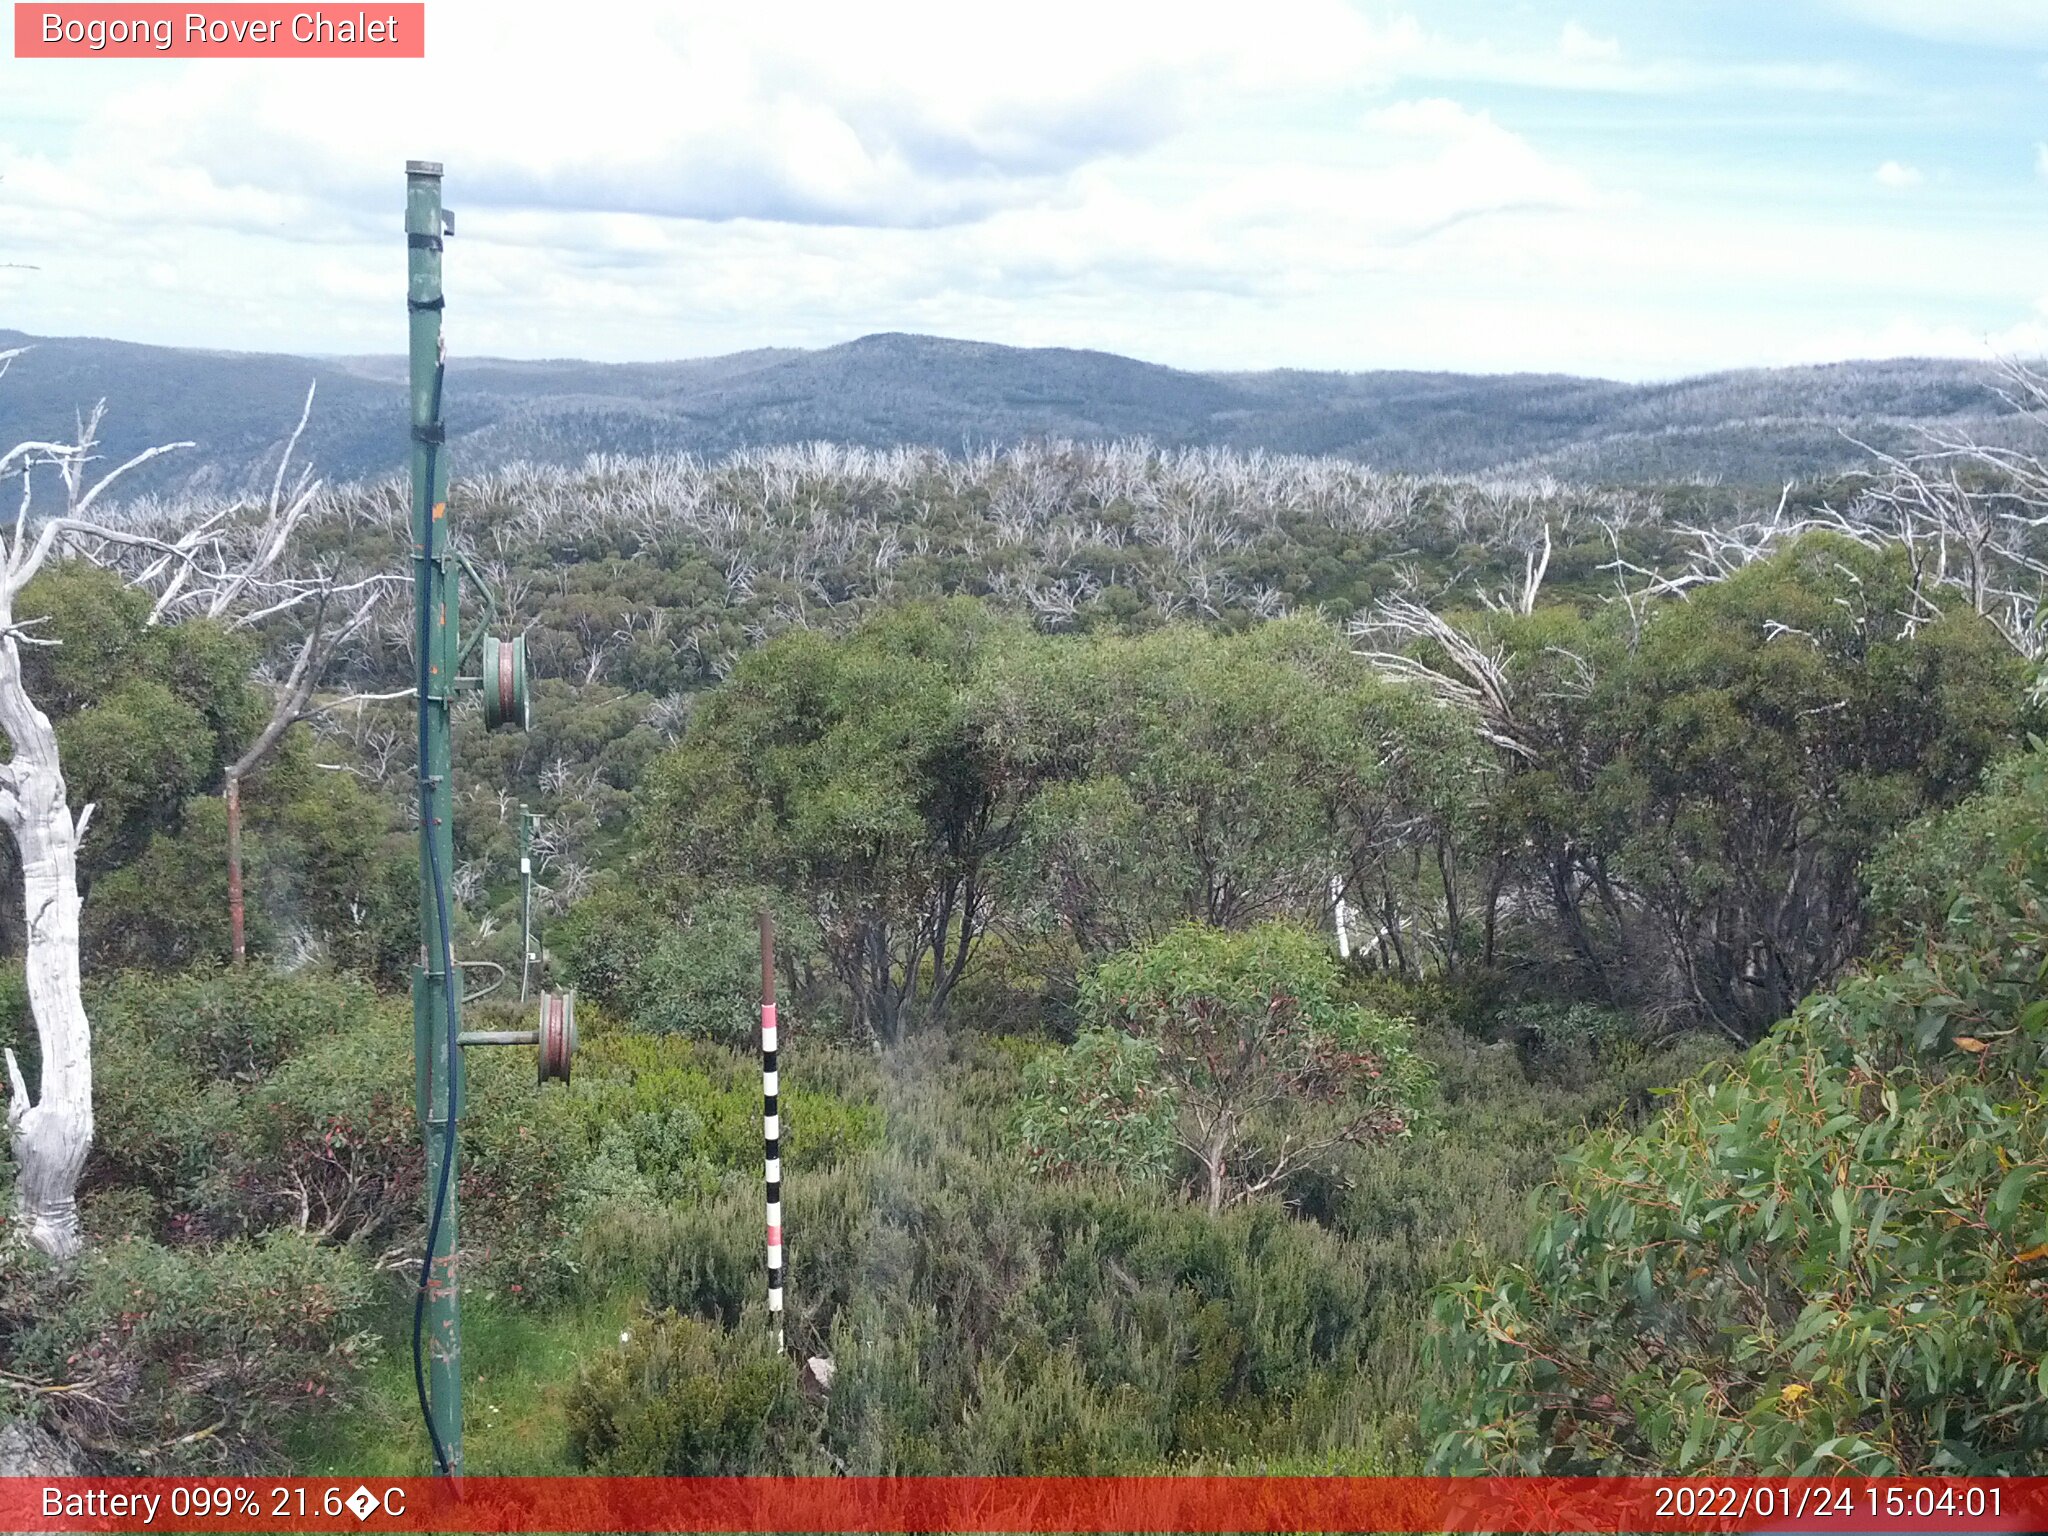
(1329,266)
(2008,23)
(1468,166)
(1895,175)
(759,163)
(1580,60)
(1907,336)
(675,181)
(1118,252)
(911,114)
(1578,43)
(810,111)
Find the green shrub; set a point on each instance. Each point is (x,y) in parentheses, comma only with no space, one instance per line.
(707,1258)
(695,971)
(327,1144)
(1573,1041)
(670,1194)
(1099,1106)
(1020,984)
(331,862)
(983,1319)
(169,906)
(232,1024)
(1917,877)
(237,1103)
(116,1211)
(680,1398)
(192,1357)
(176,1058)
(683,1106)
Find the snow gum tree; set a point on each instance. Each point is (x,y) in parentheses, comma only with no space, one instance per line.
(50,1129)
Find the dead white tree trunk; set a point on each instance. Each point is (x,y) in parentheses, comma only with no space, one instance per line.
(51,1133)
(51,1129)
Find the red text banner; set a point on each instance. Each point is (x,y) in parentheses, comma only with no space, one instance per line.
(1020,1504)
(237,31)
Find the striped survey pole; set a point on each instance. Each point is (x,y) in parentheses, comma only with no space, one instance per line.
(771,1125)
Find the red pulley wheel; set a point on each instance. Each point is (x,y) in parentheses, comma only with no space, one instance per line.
(557,1035)
(508,685)
(503,684)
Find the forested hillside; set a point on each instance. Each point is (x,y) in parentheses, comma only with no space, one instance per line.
(1216,890)
(1757,428)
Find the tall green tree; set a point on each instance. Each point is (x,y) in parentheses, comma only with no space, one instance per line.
(1691,784)
(1831,1258)
(148,716)
(145,714)
(843,772)
(1769,734)
(1223,779)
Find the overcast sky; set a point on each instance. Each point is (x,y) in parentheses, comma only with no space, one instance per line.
(1640,190)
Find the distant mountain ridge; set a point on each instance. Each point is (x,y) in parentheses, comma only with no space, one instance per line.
(1751,426)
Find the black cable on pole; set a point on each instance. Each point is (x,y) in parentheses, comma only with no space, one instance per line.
(447,957)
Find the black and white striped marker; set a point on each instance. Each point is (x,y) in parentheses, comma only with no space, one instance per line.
(771,1125)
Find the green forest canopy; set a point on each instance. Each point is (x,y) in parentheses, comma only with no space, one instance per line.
(1054,769)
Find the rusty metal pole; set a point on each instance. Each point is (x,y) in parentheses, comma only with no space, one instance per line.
(236,908)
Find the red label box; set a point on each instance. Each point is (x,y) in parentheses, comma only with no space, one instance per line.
(1063,1506)
(374,30)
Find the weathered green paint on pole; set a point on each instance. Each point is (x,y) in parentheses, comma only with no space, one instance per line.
(437,986)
